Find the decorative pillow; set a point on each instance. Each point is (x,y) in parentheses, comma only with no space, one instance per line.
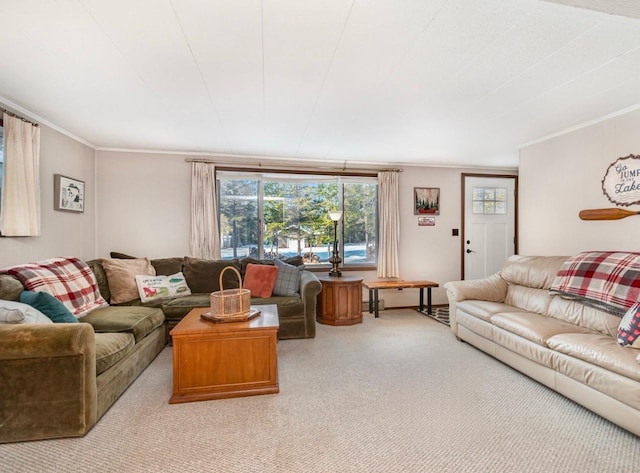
(69,280)
(260,279)
(288,279)
(49,306)
(629,328)
(167,266)
(121,274)
(158,287)
(12,312)
(203,275)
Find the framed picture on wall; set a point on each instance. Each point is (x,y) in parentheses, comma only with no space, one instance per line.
(68,194)
(426,201)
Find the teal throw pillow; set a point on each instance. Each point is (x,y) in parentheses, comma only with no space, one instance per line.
(48,305)
(287,280)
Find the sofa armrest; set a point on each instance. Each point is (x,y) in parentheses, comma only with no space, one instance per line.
(48,387)
(492,288)
(310,287)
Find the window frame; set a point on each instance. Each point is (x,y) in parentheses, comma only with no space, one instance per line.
(261,172)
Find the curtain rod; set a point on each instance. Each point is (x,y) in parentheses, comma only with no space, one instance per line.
(289,166)
(11,114)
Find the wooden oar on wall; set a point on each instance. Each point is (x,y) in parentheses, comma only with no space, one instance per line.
(606,214)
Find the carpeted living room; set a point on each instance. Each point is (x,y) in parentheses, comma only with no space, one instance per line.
(397,393)
(319,236)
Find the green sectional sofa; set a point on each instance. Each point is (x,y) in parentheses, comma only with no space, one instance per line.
(297,313)
(59,379)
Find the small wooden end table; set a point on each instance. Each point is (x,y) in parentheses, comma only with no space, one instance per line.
(221,360)
(375,286)
(340,301)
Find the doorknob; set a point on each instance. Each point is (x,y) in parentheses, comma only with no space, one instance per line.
(470,251)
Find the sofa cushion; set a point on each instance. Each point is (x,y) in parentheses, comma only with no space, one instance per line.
(260,279)
(167,266)
(534,327)
(177,308)
(10,287)
(111,348)
(140,321)
(584,316)
(288,279)
(485,309)
(13,312)
(203,275)
(49,306)
(599,350)
(101,278)
(121,274)
(532,271)
(288,307)
(528,298)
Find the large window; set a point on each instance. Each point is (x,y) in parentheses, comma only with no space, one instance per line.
(281,215)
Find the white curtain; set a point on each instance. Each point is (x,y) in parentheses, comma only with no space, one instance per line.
(205,235)
(389,221)
(20,205)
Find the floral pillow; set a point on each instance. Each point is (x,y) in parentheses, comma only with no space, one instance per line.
(158,287)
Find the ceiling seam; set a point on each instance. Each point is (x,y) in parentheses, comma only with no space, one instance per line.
(573,79)
(324,79)
(386,79)
(554,53)
(124,57)
(204,82)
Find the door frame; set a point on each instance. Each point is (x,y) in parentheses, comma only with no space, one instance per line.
(463,178)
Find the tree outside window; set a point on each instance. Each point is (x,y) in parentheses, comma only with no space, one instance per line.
(288,214)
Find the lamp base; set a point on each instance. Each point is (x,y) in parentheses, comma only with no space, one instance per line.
(335,274)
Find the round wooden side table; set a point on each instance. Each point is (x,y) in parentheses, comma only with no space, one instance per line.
(340,302)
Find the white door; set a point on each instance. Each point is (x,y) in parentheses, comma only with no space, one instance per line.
(489,232)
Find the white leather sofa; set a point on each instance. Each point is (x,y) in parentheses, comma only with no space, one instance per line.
(561,343)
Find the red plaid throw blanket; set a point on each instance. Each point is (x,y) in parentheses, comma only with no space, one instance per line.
(606,280)
(68,279)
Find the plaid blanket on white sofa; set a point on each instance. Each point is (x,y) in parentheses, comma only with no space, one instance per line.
(606,280)
(69,280)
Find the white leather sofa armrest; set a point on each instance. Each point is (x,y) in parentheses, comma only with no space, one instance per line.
(493,289)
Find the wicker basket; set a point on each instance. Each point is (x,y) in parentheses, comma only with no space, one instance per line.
(231,304)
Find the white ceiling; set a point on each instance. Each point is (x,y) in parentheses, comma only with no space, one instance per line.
(453,82)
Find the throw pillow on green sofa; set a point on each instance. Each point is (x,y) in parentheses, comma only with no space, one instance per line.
(203,275)
(48,305)
(288,279)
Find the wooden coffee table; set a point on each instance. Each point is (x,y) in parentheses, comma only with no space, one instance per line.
(222,360)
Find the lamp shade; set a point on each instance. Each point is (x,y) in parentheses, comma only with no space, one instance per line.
(335,215)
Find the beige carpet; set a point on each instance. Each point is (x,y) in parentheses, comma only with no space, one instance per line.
(394,394)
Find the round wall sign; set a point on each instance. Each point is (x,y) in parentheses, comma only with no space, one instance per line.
(621,182)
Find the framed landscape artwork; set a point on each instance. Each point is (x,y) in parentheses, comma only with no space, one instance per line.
(426,200)
(68,194)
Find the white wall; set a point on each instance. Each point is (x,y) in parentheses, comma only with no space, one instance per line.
(561,176)
(143,209)
(62,233)
(143,204)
